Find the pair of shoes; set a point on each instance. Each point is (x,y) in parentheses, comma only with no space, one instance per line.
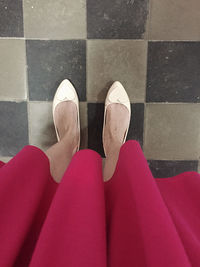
(116,94)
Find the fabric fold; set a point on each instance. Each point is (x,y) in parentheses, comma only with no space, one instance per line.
(24,181)
(74,230)
(140,230)
(134,219)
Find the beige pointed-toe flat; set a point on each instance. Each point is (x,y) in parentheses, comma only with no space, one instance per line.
(116,94)
(66,92)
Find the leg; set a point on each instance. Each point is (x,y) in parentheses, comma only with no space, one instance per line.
(60,154)
(117,120)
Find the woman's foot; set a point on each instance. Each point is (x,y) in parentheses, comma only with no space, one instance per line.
(66,122)
(115,128)
(67,125)
(117,121)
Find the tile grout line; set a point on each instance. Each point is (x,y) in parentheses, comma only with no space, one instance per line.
(150,3)
(23,19)
(86,71)
(27,92)
(17,100)
(96,39)
(145,92)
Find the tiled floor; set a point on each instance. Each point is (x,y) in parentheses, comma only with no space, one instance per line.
(152,47)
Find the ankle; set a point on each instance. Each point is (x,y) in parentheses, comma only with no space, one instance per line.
(70,141)
(114,147)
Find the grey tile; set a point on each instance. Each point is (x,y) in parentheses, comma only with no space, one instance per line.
(12,70)
(58,19)
(175,20)
(173,72)
(137,123)
(167,168)
(11,18)
(13,128)
(95,126)
(49,62)
(117,19)
(111,60)
(84,124)
(41,128)
(172,131)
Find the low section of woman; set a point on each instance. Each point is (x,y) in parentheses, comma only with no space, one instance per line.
(57,210)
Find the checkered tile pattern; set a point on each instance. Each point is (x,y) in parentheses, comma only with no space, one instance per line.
(152,47)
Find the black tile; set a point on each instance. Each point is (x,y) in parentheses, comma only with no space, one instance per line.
(11,18)
(137,123)
(49,62)
(116,19)
(13,127)
(95,127)
(173,72)
(167,168)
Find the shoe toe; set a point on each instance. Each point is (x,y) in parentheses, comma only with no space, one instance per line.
(65,91)
(118,94)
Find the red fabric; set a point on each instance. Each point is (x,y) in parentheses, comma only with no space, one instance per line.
(131,220)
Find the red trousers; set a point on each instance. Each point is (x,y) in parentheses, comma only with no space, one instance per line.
(132,220)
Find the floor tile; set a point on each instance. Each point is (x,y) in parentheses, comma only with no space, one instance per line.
(49,62)
(5,159)
(13,70)
(151,46)
(137,123)
(41,127)
(58,19)
(111,60)
(13,127)
(117,19)
(173,72)
(83,123)
(167,168)
(172,131)
(95,125)
(11,18)
(175,20)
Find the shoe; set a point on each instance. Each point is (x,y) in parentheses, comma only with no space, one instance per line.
(66,92)
(116,94)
